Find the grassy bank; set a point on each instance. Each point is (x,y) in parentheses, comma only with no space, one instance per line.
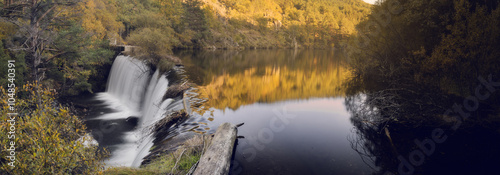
(180,160)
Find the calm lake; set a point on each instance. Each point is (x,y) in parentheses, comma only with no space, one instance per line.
(291,104)
(299,114)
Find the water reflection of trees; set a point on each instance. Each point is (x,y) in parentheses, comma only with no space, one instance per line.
(388,120)
(205,65)
(230,79)
(371,144)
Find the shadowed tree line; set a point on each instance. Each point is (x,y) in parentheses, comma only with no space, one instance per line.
(431,55)
(422,68)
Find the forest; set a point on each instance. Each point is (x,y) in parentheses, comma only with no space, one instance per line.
(441,50)
(62,48)
(63,43)
(411,59)
(422,65)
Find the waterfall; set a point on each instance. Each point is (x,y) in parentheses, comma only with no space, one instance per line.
(133,91)
(127,81)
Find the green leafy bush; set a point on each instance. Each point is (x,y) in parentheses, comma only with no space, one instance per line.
(45,137)
(153,42)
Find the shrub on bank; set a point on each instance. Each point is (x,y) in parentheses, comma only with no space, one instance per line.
(45,136)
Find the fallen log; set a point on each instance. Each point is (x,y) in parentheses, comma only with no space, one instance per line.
(217,158)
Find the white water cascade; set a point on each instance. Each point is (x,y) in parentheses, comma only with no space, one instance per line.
(133,91)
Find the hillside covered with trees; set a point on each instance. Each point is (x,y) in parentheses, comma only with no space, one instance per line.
(235,23)
(62,43)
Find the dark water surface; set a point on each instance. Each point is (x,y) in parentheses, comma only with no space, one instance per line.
(291,104)
(301,117)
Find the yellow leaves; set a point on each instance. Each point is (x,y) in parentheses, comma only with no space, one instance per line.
(63,111)
(6,29)
(274,84)
(98,18)
(45,137)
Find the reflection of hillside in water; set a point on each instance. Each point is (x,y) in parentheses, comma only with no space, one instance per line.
(396,131)
(235,78)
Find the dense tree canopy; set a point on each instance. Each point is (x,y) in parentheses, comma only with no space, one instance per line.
(226,24)
(444,44)
(63,42)
(55,42)
(415,61)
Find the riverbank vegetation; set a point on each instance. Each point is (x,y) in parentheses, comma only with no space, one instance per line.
(424,66)
(47,137)
(451,52)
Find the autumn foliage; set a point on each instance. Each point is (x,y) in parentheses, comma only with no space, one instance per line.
(46,136)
